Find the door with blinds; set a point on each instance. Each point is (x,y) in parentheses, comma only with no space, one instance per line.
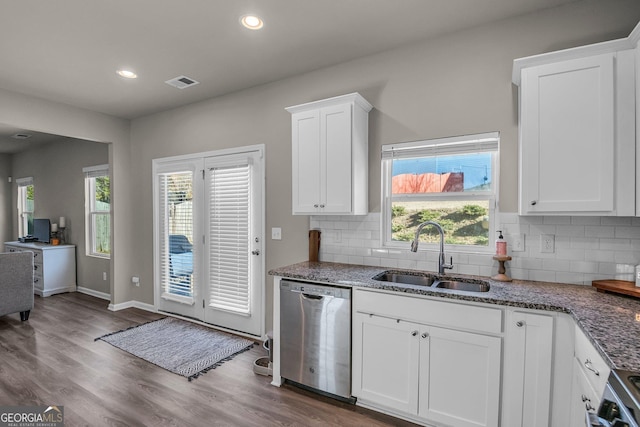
(209,238)
(233,242)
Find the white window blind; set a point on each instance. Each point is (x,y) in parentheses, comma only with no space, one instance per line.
(176,235)
(480,143)
(229,237)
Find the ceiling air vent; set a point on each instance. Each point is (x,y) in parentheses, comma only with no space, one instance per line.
(181,82)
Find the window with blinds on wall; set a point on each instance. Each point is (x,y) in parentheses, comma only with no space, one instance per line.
(176,234)
(26,197)
(452,181)
(229,210)
(97,211)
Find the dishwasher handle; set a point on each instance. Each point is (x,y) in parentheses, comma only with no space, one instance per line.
(313,291)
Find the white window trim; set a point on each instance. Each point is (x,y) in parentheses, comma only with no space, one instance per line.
(482,142)
(21,183)
(92,172)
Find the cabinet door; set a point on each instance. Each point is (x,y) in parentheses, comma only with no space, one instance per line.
(459,377)
(385,362)
(583,398)
(567,136)
(527,369)
(335,159)
(306,154)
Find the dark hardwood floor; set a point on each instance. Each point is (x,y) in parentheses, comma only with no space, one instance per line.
(52,359)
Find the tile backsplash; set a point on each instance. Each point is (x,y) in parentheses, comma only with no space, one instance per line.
(586,248)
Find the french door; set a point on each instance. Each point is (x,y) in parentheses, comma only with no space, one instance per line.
(208,229)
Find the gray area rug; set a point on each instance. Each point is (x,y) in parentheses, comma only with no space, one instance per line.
(181,347)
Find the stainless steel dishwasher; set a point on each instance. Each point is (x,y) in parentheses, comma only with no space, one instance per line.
(315,336)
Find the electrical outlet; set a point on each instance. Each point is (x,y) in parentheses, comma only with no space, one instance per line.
(276,233)
(547,243)
(104,275)
(517,243)
(135,280)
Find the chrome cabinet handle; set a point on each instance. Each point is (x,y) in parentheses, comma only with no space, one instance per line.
(520,324)
(256,252)
(589,365)
(414,333)
(585,398)
(588,407)
(424,335)
(315,206)
(322,206)
(534,202)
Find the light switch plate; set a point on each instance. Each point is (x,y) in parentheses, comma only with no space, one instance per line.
(517,243)
(276,233)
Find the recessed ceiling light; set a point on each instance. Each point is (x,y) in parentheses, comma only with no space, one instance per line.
(127,74)
(252,22)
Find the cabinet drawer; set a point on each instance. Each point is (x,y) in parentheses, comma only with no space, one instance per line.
(426,311)
(38,282)
(591,362)
(583,396)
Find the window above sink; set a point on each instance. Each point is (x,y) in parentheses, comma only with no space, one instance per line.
(449,180)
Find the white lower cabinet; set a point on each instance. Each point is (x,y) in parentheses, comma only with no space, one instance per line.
(459,380)
(583,398)
(411,366)
(528,364)
(386,355)
(590,375)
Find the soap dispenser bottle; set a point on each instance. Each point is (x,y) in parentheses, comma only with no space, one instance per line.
(501,245)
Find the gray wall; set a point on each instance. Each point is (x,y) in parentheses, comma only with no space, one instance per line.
(58,179)
(28,112)
(457,84)
(5,199)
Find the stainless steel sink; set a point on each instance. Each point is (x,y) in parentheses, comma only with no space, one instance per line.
(463,286)
(471,285)
(390,276)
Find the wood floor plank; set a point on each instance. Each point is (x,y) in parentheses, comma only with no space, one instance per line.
(53,359)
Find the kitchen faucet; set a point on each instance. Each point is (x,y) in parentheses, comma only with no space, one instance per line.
(414,245)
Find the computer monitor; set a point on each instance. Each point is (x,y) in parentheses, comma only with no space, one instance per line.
(42,230)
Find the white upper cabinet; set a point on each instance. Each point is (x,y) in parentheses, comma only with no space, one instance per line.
(577,131)
(330,156)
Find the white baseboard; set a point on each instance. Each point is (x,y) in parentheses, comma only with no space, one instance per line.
(132,304)
(93,293)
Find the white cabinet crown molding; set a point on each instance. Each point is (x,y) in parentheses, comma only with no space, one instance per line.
(348,98)
(572,53)
(634,37)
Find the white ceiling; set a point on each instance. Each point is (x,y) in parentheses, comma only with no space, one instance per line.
(68,50)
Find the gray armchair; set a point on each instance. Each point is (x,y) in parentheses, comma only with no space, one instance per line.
(16,283)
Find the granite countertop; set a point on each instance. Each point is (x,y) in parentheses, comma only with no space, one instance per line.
(612,322)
